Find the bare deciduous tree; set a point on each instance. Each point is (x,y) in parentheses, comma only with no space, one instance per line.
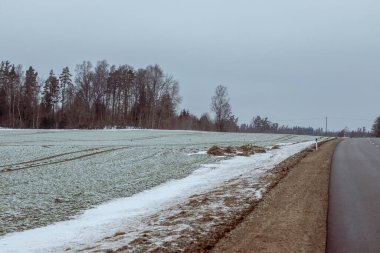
(220,105)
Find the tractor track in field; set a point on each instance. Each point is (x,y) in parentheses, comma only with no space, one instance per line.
(56,159)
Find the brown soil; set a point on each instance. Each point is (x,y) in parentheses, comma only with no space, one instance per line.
(245,150)
(292,215)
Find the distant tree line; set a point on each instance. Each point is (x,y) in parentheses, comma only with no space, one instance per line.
(263,125)
(91,98)
(106,95)
(376,127)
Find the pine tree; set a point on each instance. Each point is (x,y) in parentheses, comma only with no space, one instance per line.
(67,87)
(30,98)
(50,100)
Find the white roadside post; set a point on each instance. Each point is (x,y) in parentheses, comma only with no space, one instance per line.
(316,143)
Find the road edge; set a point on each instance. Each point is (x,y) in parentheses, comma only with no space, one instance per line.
(282,171)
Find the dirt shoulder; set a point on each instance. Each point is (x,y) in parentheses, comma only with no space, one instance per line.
(292,215)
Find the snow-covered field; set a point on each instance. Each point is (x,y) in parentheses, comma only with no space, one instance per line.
(68,189)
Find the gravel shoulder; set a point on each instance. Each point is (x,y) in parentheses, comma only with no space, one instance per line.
(292,215)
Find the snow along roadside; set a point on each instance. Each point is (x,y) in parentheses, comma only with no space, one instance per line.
(128,216)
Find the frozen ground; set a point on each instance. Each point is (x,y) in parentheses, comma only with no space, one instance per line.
(50,176)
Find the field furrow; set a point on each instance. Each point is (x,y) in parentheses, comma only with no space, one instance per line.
(61,158)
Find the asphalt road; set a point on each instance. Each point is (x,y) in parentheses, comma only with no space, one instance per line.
(354,199)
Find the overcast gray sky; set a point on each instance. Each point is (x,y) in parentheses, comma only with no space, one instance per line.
(294,61)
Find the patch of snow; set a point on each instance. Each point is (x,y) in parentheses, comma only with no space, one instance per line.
(198,153)
(259,193)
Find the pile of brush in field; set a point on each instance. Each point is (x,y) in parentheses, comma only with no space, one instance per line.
(245,150)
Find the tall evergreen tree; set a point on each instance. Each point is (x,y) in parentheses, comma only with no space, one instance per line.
(67,87)
(50,100)
(30,98)
(13,86)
